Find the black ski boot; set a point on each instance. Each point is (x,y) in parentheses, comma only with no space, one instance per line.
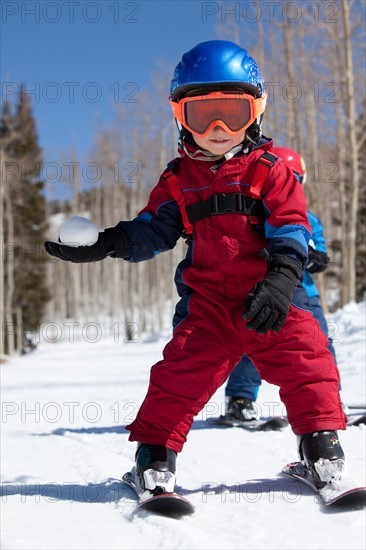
(155,468)
(323,455)
(241,408)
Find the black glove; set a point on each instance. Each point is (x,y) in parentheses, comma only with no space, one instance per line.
(317,261)
(269,301)
(111,242)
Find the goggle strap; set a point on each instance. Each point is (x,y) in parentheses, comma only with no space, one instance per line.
(258,106)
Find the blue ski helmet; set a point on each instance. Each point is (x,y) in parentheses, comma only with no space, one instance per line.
(218,65)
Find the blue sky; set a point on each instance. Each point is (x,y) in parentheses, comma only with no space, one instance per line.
(77,58)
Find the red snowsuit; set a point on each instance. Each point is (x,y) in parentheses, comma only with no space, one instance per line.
(222,266)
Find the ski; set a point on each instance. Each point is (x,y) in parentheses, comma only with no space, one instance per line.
(271,424)
(262,425)
(345,494)
(358,421)
(170,505)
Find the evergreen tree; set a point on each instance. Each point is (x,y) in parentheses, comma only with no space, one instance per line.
(24,225)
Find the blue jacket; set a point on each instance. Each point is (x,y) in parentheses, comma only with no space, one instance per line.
(318,242)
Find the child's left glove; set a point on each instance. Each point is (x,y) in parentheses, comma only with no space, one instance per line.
(317,261)
(269,301)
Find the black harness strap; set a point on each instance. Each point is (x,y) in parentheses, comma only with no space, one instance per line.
(234,203)
(222,203)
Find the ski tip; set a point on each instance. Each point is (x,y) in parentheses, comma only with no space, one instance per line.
(354,499)
(168,504)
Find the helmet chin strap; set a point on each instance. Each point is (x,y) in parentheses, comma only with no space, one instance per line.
(252,137)
(254,132)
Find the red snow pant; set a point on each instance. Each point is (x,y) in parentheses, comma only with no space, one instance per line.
(205,348)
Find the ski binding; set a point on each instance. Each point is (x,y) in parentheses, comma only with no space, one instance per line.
(168,504)
(343,493)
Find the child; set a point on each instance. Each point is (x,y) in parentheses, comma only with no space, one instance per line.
(244,217)
(243,384)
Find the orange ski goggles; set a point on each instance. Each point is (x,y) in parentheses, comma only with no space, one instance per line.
(233,112)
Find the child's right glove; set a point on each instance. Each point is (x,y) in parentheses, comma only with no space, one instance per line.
(269,301)
(111,242)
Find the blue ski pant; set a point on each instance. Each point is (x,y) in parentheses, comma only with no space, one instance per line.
(244,381)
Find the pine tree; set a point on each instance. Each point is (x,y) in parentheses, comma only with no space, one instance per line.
(24,225)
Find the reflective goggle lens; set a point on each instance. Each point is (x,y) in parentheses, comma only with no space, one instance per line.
(235,113)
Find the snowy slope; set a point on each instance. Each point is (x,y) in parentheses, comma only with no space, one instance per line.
(64,450)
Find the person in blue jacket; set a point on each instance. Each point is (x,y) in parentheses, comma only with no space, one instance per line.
(243,384)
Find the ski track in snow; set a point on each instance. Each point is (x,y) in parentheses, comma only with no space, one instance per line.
(64,450)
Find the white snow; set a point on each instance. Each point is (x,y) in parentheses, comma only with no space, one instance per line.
(64,450)
(78,231)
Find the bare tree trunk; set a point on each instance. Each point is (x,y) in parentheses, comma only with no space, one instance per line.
(342,207)
(2,242)
(320,283)
(353,154)
(293,110)
(19,331)
(9,327)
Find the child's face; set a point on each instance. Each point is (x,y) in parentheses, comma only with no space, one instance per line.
(218,141)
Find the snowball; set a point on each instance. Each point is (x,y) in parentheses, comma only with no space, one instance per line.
(78,231)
